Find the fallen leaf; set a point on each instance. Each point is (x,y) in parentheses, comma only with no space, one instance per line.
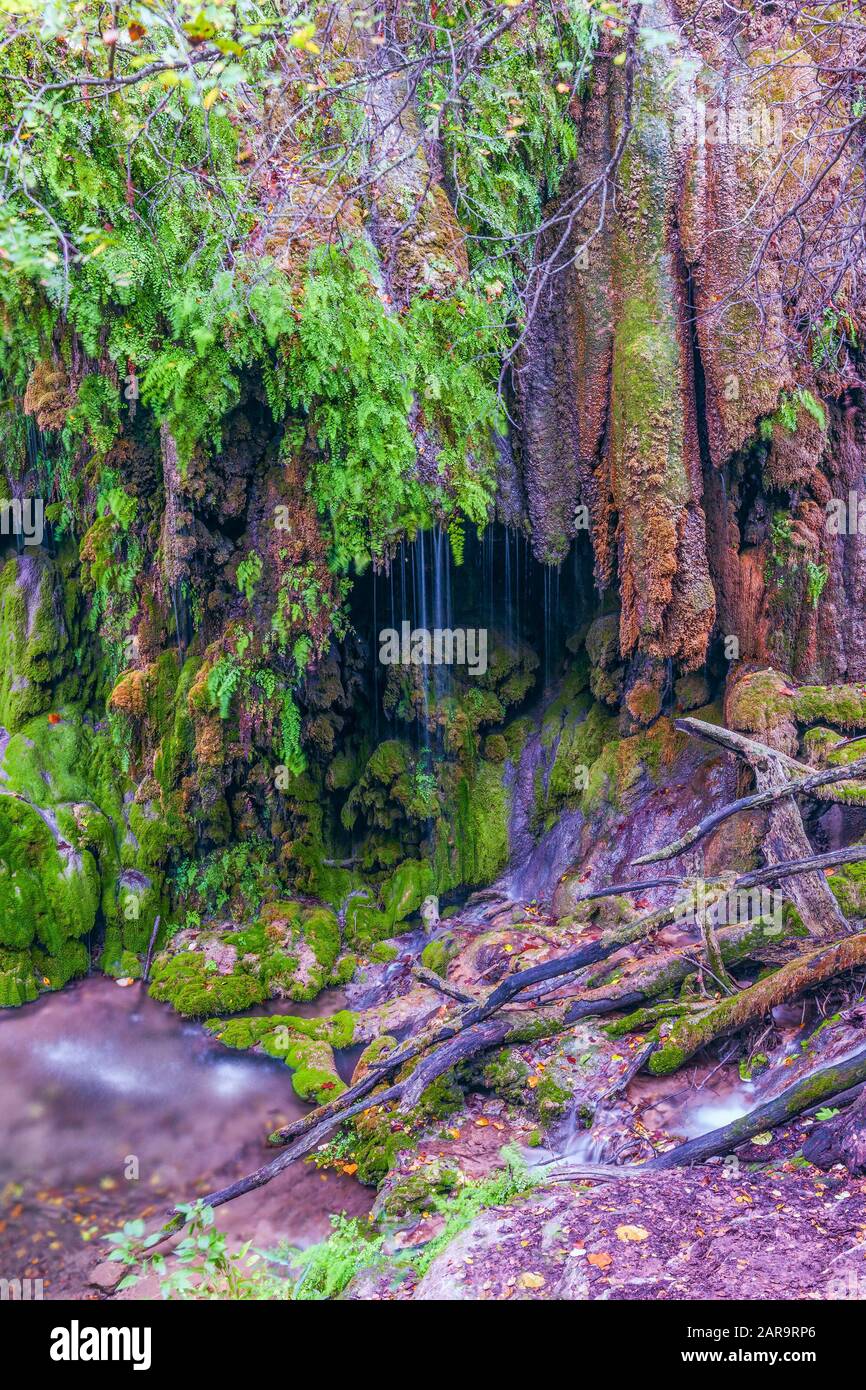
(531,1281)
(632,1233)
(600,1261)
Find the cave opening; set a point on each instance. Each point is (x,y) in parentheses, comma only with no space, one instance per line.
(496,607)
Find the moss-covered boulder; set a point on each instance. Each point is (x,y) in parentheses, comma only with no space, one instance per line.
(49,896)
(62,775)
(372,919)
(193,984)
(289,951)
(34,639)
(304,1044)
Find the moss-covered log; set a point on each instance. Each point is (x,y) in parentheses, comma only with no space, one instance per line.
(840,1140)
(689,1035)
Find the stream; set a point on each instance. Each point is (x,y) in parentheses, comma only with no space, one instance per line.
(115,1107)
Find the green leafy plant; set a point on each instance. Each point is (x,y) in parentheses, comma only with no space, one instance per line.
(816,580)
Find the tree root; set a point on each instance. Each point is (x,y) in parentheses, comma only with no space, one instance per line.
(785,840)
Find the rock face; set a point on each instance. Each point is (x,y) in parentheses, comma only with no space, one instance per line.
(703,452)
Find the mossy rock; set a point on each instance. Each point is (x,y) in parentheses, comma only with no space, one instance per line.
(437,954)
(507,1075)
(194,990)
(37,660)
(126,966)
(400,897)
(18,981)
(841,705)
(49,894)
(691,692)
(406,1195)
(304,1044)
(848,885)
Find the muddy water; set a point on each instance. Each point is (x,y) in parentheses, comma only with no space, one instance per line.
(112,1106)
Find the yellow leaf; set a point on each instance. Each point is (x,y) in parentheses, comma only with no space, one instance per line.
(531,1281)
(632,1233)
(210,97)
(480,1124)
(302,36)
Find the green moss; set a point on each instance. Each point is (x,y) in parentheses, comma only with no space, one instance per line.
(848,885)
(126,966)
(400,896)
(496,748)
(409,1194)
(383,951)
(841,705)
(437,954)
(37,662)
(551,1099)
(343,971)
(479,847)
(18,981)
(185,982)
(580,746)
(642,1019)
(507,1075)
(47,894)
(314,1073)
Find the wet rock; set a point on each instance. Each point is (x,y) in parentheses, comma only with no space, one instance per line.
(107,1276)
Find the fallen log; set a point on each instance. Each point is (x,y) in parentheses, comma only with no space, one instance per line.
(453,1044)
(840,1140)
(771,873)
(820,1085)
(689,1035)
(442,986)
(785,839)
(618,889)
(668,970)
